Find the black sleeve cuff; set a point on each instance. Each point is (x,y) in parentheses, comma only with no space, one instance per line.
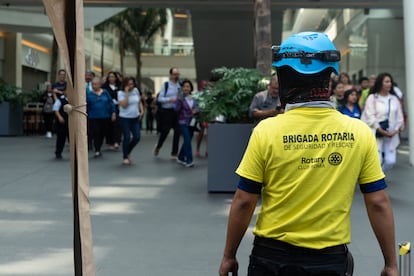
(249,186)
(373,186)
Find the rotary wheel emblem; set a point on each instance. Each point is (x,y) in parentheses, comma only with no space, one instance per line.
(335,159)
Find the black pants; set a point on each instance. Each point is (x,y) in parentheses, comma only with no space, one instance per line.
(48,119)
(149,120)
(276,258)
(169,120)
(98,128)
(62,132)
(114,132)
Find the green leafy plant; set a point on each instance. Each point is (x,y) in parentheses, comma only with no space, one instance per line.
(16,95)
(230,96)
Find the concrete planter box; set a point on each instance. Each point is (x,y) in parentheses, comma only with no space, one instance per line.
(226,145)
(11,122)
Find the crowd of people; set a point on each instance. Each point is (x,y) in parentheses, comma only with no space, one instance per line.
(376,100)
(116,107)
(115,110)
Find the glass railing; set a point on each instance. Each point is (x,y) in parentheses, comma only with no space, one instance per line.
(179,46)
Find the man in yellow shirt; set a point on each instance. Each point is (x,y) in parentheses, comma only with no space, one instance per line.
(305,164)
(365,92)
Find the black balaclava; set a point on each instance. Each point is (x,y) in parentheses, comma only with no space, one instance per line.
(295,87)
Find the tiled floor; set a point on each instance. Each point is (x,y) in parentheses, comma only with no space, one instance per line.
(152,218)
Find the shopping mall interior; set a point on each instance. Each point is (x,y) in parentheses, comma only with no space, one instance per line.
(203,35)
(200,36)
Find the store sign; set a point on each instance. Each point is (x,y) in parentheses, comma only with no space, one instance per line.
(32,57)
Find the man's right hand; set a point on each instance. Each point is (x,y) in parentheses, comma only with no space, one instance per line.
(228,265)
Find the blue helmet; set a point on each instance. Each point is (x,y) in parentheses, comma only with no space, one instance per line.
(307,53)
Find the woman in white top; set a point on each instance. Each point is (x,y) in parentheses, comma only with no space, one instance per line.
(130,115)
(383,114)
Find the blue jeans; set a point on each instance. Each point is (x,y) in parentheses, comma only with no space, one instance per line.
(186,153)
(128,126)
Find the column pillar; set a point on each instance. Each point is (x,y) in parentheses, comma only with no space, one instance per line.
(92,50)
(225,38)
(12,71)
(408,9)
(222,38)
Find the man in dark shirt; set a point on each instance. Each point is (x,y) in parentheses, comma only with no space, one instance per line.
(59,87)
(266,103)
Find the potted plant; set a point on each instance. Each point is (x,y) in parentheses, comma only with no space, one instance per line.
(228,98)
(12,100)
(225,104)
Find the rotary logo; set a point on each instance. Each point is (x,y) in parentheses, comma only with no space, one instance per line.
(335,159)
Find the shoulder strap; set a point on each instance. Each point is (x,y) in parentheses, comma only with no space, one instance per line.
(375,106)
(165,88)
(389,107)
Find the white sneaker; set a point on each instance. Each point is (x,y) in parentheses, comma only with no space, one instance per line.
(181,162)
(49,134)
(189,165)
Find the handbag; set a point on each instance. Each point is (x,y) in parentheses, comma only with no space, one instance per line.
(384,124)
(194,124)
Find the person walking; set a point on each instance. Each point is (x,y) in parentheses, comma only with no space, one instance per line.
(350,104)
(202,132)
(167,115)
(89,76)
(337,95)
(186,107)
(130,115)
(112,84)
(345,80)
(306,176)
(365,92)
(149,112)
(59,87)
(47,110)
(61,123)
(383,114)
(101,111)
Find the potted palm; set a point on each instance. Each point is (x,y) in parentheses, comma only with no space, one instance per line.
(225,104)
(12,100)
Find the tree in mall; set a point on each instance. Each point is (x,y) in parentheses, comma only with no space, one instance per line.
(117,26)
(134,27)
(140,26)
(262,36)
(120,23)
(102,28)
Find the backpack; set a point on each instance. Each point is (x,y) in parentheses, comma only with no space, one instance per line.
(159,106)
(48,105)
(165,93)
